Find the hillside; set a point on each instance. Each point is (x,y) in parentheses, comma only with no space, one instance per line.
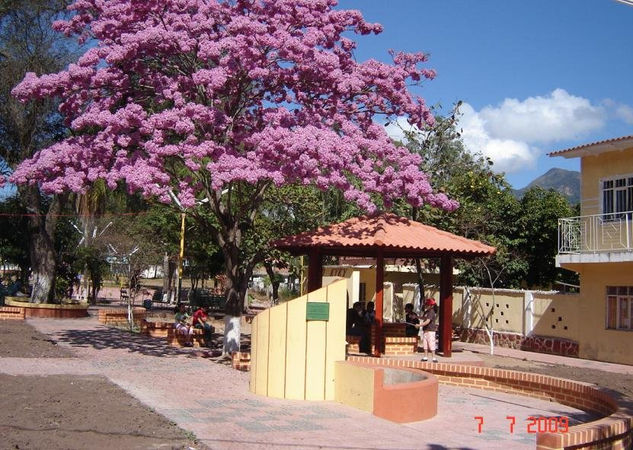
(567,182)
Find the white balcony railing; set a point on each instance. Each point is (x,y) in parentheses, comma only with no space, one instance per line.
(595,233)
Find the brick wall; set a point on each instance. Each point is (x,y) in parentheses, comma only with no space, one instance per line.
(12,313)
(540,344)
(241,361)
(613,431)
(395,341)
(119,316)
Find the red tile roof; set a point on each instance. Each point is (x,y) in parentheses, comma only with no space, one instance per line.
(606,142)
(387,231)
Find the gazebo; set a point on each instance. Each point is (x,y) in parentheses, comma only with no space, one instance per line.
(387,236)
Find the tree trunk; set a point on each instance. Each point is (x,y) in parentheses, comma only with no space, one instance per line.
(42,248)
(274,282)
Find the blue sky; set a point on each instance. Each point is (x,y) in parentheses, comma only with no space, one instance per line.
(535,75)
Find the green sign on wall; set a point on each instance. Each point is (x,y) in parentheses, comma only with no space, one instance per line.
(318,311)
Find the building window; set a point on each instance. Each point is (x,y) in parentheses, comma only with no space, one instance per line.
(617,197)
(619,307)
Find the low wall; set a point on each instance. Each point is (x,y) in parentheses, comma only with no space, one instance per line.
(12,313)
(118,316)
(613,431)
(400,395)
(47,310)
(539,344)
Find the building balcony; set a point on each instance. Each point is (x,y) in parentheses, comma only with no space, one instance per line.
(595,239)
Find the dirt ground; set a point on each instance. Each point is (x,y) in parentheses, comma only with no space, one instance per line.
(621,384)
(72,412)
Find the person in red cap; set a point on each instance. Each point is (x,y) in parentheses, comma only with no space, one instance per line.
(427,328)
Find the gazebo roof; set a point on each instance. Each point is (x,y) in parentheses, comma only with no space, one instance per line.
(395,235)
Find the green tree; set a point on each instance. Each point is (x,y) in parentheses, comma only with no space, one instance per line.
(541,210)
(27,44)
(488,211)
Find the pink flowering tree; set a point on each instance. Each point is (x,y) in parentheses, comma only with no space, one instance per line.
(214,102)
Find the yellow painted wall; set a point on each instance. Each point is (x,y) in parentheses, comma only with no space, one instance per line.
(593,168)
(507,309)
(294,358)
(355,386)
(558,315)
(596,342)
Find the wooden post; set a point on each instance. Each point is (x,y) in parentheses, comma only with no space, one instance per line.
(380,273)
(446,305)
(315,270)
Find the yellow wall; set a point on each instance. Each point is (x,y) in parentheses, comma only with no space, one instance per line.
(593,168)
(558,315)
(294,358)
(596,342)
(355,386)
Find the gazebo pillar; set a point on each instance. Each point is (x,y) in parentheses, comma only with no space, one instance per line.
(446,304)
(315,269)
(380,273)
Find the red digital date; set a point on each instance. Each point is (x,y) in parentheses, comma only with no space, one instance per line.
(535,424)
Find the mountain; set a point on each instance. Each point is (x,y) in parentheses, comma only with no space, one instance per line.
(567,182)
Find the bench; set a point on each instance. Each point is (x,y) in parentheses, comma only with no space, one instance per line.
(156,329)
(394,338)
(178,340)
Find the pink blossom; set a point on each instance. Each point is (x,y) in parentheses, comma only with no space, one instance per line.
(193,95)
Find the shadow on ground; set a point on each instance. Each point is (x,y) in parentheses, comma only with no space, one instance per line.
(113,338)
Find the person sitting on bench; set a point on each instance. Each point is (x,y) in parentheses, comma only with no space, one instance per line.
(201,321)
(183,326)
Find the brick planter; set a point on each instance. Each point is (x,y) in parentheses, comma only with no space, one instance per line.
(613,431)
(118,317)
(47,310)
(12,313)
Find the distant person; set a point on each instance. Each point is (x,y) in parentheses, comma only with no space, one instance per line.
(183,326)
(356,326)
(412,321)
(370,314)
(427,329)
(201,321)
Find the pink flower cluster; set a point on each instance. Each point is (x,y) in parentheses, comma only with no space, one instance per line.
(178,92)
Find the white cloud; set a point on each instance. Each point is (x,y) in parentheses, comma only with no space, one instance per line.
(624,113)
(395,130)
(507,133)
(509,155)
(554,117)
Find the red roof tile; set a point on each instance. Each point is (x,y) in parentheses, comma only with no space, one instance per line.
(387,231)
(586,146)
